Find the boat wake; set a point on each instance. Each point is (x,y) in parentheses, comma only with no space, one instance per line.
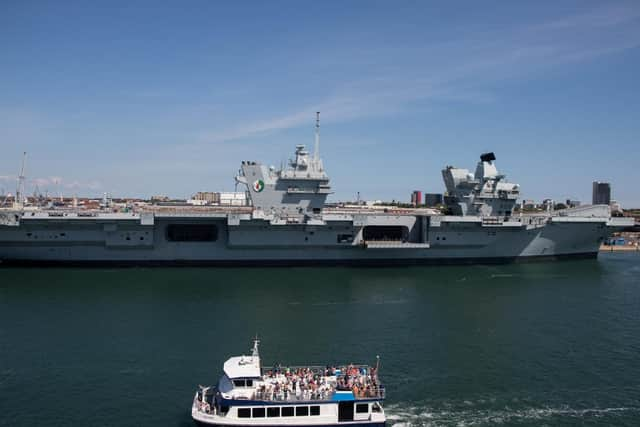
(465,414)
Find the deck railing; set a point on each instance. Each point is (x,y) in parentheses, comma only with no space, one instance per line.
(309,395)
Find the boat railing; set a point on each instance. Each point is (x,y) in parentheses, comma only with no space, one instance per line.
(317,395)
(287,396)
(283,369)
(317,370)
(370,393)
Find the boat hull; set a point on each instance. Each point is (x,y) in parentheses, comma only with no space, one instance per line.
(346,423)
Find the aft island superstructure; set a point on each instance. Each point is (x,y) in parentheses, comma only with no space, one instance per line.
(288,223)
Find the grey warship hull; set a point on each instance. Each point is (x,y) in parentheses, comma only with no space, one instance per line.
(288,223)
(241,239)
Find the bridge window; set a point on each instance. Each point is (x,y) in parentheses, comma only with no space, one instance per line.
(243,383)
(244,413)
(192,233)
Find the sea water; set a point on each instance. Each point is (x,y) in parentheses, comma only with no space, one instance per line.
(554,343)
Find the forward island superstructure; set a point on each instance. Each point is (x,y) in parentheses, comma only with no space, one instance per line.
(288,223)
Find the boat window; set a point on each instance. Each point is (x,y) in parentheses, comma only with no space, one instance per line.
(244,413)
(314,410)
(302,411)
(362,408)
(287,411)
(376,408)
(273,411)
(238,383)
(258,412)
(192,233)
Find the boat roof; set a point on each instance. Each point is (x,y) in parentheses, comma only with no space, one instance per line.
(242,367)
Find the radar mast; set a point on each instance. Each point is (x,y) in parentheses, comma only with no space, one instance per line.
(316,153)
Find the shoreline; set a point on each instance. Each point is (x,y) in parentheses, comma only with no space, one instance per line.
(619,248)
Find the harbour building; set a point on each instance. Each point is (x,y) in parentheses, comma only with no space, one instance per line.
(601,193)
(433,199)
(416,198)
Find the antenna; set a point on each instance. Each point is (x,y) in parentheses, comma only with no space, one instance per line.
(254,350)
(20,184)
(316,154)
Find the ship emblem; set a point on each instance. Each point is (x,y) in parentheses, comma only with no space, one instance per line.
(258,186)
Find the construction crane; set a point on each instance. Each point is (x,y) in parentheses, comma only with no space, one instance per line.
(19,202)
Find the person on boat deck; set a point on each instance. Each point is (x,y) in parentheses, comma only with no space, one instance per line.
(307,384)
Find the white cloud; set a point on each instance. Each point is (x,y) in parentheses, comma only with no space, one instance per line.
(457,70)
(602,16)
(46,182)
(79,185)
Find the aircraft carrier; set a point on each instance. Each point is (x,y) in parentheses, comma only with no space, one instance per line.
(289,223)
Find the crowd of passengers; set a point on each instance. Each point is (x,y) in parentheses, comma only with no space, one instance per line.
(308,384)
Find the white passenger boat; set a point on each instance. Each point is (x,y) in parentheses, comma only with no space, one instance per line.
(249,394)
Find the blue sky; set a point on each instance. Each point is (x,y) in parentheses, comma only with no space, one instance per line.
(140,98)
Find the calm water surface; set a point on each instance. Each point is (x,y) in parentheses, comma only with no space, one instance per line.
(531,344)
